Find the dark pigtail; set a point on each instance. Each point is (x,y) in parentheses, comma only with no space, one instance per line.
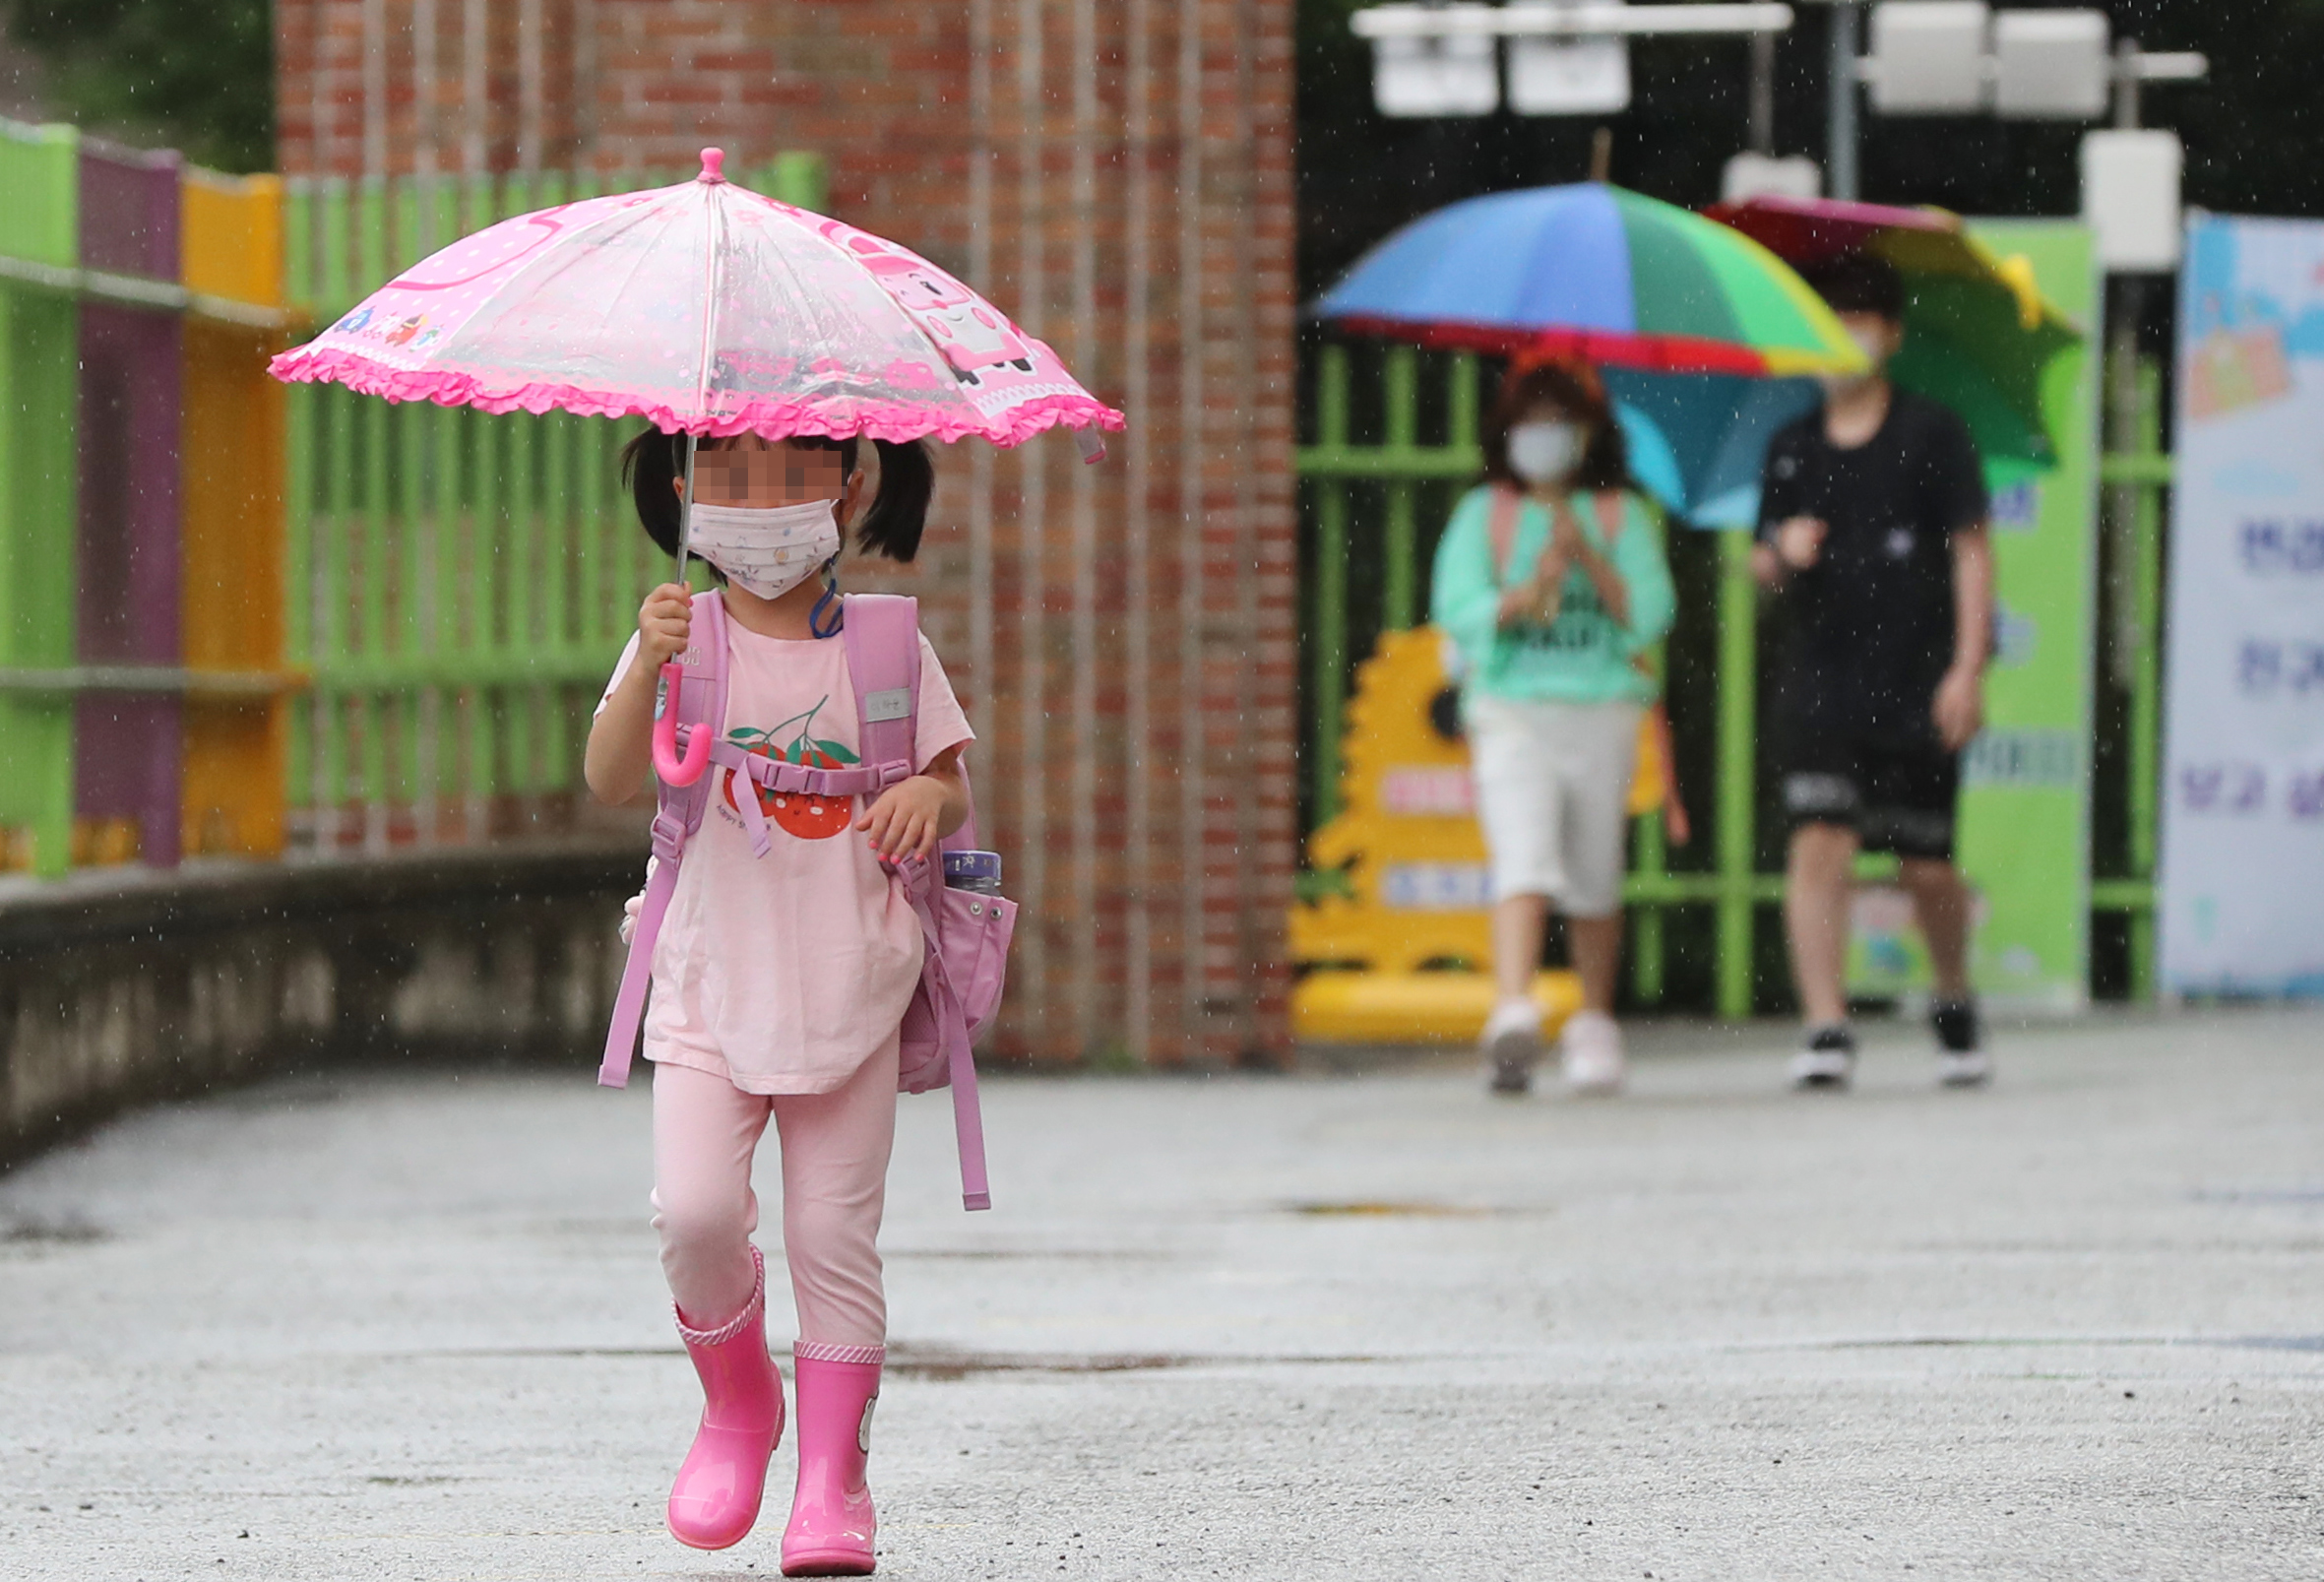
(899,513)
(648,467)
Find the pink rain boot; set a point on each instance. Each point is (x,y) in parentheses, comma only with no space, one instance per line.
(716,1497)
(830,1517)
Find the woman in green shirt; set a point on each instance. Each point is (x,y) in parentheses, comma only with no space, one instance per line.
(1551,580)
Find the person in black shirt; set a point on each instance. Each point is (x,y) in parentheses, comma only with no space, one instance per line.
(1873,538)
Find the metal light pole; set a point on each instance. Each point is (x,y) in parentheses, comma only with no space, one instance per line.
(1763,94)
(1839,90)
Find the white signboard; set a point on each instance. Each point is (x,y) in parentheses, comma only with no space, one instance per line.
(2242,893)
(1569,76)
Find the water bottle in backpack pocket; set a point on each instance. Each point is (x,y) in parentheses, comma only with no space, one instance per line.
(968,926)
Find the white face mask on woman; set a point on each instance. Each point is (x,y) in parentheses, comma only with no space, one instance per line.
(767,551)
(1545,450)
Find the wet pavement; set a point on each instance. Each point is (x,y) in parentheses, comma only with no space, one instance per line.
(409,1326)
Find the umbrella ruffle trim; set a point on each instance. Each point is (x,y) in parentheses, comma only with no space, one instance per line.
(774,417)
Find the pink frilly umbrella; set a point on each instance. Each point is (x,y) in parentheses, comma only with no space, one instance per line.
(704,308)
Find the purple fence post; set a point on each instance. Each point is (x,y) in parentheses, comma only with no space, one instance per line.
(130,743)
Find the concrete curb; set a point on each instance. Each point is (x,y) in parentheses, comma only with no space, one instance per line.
(124,986)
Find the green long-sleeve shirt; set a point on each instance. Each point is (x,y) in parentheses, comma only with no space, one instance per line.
(1585,654)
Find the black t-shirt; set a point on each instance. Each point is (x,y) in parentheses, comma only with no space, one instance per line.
(1870,625)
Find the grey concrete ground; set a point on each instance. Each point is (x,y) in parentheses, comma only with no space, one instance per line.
(410,1327)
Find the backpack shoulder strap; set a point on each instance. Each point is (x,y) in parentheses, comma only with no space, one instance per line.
(1613,514)
(883,636)
(882,632)
(677,813)
(1500,525)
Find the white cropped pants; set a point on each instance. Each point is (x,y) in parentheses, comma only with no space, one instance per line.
(1554,794)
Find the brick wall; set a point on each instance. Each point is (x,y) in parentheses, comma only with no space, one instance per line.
(1117,174)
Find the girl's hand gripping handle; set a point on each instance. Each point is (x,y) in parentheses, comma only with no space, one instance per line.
(676,769)
(665,628)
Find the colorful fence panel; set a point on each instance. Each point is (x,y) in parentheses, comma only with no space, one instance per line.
(138,506)
(236,732)
(127,728)
(238,619)
(39,354)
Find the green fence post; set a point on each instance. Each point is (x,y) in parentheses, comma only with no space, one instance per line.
(453,538)
(520,534)
(39,360)
(1738,654)
(335,461)
(557,568)
(1402,390)
(590,538)
(334,529)
(520,638)
(1461,402)
(416,531)
(1649,954)
(485,622)
(1648,946)
(1331,583)
(375,567)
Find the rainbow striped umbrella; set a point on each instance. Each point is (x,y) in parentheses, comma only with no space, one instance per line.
(1595,272)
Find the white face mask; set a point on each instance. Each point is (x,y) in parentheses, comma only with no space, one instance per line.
(766,552)
(1543,451)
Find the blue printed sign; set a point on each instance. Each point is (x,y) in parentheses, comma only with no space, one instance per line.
(2243,795)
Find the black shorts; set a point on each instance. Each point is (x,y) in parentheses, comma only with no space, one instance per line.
(1898,796)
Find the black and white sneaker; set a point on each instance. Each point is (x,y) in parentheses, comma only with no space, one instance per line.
(1828,1061)
(1961,1061)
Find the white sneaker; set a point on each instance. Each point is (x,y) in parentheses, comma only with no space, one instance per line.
(1592,1053)
(1964,1068)
(1512,1042)
(1829,1059)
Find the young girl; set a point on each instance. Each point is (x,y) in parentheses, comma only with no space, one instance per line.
(1550,579)
(778,983)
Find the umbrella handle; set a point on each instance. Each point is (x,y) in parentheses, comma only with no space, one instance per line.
(673,769)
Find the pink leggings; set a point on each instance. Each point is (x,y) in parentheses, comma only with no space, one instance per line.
(834,1183)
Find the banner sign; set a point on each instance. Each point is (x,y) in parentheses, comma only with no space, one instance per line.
(2024,838)
(2242,882)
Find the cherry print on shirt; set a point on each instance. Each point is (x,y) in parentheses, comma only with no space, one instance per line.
(810,818)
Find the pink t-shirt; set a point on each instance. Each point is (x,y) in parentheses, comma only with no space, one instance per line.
(783,974)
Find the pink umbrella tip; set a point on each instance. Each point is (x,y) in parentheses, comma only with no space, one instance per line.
(712,160)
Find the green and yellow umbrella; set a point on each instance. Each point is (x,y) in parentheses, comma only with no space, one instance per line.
(1978,335)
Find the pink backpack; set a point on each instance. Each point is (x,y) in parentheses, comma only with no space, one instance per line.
(963,972)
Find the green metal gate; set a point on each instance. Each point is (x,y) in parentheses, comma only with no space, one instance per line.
(1390,442)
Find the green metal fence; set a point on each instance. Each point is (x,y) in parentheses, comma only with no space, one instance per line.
(459,583)
(1391,442)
